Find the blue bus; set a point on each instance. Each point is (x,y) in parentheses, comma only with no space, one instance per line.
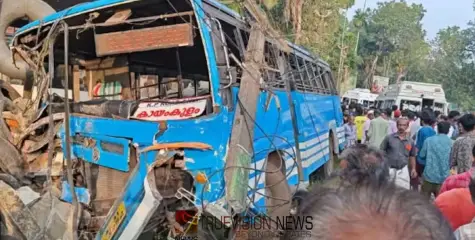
(163,77)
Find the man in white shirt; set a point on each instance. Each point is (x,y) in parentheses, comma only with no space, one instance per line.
(366,125)
(414,127)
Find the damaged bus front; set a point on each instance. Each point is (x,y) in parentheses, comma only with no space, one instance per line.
(153,131)
(149,147)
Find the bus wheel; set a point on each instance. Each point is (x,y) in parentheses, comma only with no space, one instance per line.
(278,193)
(329,166)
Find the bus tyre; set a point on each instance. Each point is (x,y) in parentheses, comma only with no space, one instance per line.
(278,193)
(329,166)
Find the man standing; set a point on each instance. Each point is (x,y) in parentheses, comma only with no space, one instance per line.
(378,129)
(461,155)
(392,121)
(400,151)
(436,154)
(453,117)
(359,123)
(370,116)
(460,180)
(350,131)
(426,131)
(415,125)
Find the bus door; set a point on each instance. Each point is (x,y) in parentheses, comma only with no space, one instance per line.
(427,103)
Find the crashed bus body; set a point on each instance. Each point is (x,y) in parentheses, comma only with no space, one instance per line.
(163,78)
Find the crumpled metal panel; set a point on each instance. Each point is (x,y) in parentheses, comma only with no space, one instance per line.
(57,226)
(47,213)
(18,216)
(10,160)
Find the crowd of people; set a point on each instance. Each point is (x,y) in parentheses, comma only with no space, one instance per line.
(404,175)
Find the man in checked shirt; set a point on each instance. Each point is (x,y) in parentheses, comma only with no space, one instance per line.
(459,180)
(461,154)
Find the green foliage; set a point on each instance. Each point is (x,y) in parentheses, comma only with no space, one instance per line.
(391,35)
(388,40)
(451,64)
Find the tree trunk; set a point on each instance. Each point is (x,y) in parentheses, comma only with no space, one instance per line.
(400,74)
(298,20)
(287,4)
(368,81)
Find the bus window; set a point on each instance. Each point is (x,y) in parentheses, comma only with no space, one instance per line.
(414,106)
(318,77)
(271,73)
(439,107)
(388,103)
(354,101)
(329,78)
(295,72)
(346,101)
(311,76)
(307,85)
(146,87)
(365,103)
(327,81)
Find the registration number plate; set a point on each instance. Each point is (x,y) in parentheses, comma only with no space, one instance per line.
(115,222)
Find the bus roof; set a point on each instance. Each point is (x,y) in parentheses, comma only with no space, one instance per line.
(414,90)
(99,4)
(73,11)
(359,93)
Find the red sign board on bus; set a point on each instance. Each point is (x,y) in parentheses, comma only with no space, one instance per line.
(146,39)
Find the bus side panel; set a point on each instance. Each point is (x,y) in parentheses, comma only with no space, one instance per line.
(316,121)
(272,131)
(339,123)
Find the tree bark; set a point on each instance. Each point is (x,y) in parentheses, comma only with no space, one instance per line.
(368,80)
(298,20)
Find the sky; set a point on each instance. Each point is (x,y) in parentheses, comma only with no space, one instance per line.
(439,13)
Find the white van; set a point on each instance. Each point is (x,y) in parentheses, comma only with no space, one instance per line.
(413,96)
(361,96)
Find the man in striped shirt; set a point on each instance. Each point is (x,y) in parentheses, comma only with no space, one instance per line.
(461,155)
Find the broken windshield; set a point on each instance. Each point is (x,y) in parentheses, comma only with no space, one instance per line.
(142,53)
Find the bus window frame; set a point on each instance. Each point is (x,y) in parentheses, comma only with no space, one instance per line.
(401,102)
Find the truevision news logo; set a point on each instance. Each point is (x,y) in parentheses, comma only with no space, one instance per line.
(255,227)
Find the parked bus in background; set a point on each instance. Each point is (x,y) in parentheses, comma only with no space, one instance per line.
(414,96)
(172,95)
(359,96)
